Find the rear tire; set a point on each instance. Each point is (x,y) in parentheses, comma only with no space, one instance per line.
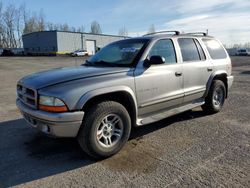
(215,98)
(105,129)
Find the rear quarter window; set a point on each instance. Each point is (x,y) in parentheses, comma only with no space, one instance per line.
(215,49)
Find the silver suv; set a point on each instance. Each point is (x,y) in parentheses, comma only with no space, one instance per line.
(131,82)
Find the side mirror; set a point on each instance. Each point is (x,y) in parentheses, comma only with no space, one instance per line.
(154,60)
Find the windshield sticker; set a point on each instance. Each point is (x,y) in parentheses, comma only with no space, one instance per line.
(128,50)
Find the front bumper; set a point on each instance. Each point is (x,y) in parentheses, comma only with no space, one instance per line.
(57,124)
(230,80)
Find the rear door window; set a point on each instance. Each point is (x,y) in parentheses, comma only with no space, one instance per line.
(215,49)
(189,49)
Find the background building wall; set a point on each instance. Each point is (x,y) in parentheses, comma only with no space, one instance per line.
(103,40)
(40,42)
(59,42)
(68,42)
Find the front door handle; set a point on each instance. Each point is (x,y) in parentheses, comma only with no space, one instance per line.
(178,73)
(209,69)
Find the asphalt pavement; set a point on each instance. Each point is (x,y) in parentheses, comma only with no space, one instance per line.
(191,149)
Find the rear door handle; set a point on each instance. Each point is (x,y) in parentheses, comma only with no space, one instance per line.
(209,69)
(178,73)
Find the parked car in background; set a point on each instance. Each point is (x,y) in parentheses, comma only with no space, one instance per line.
(243,52)
(11,51)
(7,52)
(79,53)
(17,51)
(131,82)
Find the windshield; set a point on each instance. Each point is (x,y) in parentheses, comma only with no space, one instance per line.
(120,53)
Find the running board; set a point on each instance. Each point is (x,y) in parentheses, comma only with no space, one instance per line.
(168,113)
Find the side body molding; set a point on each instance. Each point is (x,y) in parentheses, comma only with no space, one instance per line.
(209,83)
(94,93)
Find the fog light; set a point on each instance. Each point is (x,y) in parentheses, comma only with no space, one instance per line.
(45,128)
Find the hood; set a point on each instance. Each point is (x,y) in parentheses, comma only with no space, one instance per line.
(46,78)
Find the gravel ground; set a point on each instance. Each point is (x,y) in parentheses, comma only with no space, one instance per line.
(187,150)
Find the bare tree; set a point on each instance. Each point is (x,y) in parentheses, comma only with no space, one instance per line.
(30,23)
(151,29)
(64,27)
(95,28)
(9,22)
(73,29)
(123,32)
(1,27)
(40,22)
(50,26)
(16,21)
(34,23)
(81,29)
(56,27)
(20,14)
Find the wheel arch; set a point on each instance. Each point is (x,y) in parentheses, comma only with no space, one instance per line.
(122,94)
(219,75)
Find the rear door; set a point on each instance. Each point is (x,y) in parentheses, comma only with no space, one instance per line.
(197,69)
(159,87)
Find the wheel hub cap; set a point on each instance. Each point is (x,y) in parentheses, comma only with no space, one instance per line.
(110,130)
(218,97)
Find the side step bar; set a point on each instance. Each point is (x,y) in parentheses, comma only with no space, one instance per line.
(168,113)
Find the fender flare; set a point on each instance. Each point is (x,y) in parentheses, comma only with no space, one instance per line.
(211,78)
(97,92)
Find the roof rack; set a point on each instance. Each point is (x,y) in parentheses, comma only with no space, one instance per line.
(197,33)
(176,32)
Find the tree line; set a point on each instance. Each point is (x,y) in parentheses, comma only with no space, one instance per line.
(16,21)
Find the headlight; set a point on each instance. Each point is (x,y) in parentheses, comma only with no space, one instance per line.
(51,104)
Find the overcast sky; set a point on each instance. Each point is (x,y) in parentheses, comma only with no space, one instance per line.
(229,20)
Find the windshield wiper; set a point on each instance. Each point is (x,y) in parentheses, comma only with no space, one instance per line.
(105,63)
(87,63)
(101,62)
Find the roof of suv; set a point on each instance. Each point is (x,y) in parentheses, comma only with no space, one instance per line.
(161,34)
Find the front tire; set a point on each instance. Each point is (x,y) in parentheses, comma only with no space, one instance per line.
(215,98)
(105,129)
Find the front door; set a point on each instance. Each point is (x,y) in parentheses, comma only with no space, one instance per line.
(159,87)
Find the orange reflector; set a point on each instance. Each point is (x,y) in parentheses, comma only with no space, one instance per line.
(53,108)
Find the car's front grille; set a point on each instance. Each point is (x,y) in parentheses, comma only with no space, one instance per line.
(27,96)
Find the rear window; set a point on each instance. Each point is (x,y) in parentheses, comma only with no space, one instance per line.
(215,49)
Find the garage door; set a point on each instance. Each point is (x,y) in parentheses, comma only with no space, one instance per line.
(90,45)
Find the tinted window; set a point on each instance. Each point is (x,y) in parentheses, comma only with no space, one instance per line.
(120,53)
(188,50)
(164,48)
(215,49)
(201,52)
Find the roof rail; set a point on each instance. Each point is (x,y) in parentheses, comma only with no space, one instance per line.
(197,33)
(159,32)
